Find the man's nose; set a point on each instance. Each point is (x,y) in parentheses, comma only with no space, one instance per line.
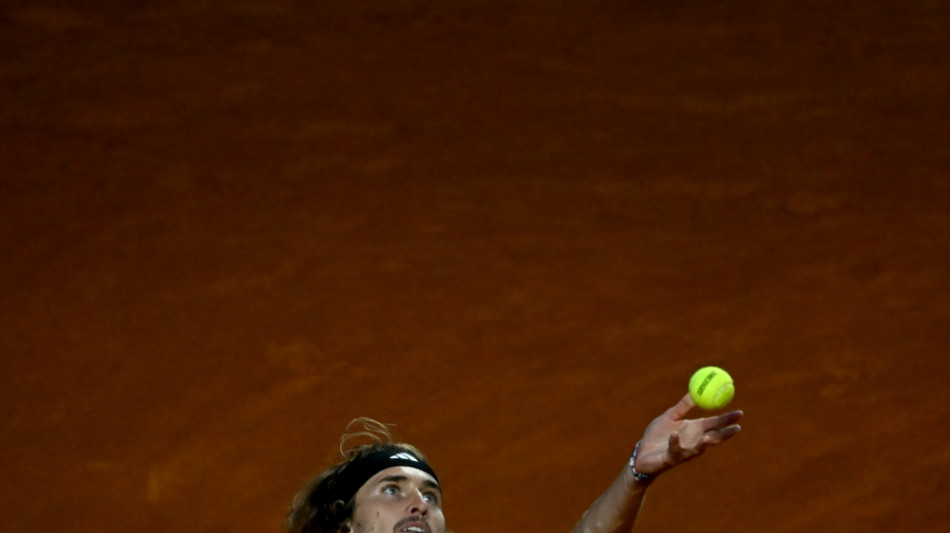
(418,504)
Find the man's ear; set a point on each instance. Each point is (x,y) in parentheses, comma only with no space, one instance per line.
(337,508)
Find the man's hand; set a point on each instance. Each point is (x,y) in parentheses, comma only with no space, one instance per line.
(671,438)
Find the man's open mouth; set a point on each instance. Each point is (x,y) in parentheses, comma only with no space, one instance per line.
(413,525)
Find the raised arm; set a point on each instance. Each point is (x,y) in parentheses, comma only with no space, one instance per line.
(670,439)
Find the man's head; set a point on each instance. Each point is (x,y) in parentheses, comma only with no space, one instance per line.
(382,487)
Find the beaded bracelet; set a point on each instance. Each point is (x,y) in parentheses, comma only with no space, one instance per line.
(642,478)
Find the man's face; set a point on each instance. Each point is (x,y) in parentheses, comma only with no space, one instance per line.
(399,499)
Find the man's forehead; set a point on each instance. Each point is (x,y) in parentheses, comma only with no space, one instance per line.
(402,473)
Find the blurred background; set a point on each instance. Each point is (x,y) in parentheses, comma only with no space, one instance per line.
(511,228)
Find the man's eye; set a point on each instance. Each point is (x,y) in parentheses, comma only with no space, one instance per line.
(431,497)
(391,489)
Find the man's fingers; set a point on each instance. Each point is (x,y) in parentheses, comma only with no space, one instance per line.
(681,409)
(727,432)
(673,446)
(711,438)
(721,421)
(674,453)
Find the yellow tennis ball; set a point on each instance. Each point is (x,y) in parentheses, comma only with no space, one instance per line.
(711,387)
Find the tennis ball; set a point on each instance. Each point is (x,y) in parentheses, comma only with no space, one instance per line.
(711,387)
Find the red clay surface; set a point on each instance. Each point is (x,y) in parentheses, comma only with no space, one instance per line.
(512,228)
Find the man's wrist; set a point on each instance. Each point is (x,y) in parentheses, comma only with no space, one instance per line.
(644,479)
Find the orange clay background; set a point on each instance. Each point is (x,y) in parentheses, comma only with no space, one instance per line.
(514,229)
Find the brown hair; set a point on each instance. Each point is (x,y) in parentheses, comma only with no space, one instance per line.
(313,509)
